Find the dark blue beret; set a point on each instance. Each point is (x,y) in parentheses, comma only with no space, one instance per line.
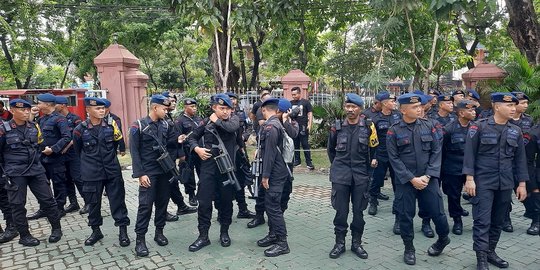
(355,99)
(284,105)
(434,92)
(166,94)
(19,103)
(61,100)
(445,98)
(47,97)
(409,98)
(384,96)
(107,102)
(222,99)
(465,104)
(504,97)
(424,99)
(189,101)
(457,92)
(160,99)
(520,95)
(271,101)
(472,93)
(93,101)
(232,95)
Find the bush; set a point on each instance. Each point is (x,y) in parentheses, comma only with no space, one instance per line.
(327,114)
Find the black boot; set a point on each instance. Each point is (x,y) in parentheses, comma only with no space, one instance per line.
(10,233)
(356,246)
(437,248)
(481,261)
(140,246)
(202,241)
(493,258)
(245,213)
(279,248)
(383,197)
(94,237)
(268,240)
(464,213)
(73,205)
(339,247)
(507,225)
(37,215)
(457,229)
(409,256)
(28,240)
(85,209)
(171,217)
(160,238)
(426,228)
(256,221)
(193,200)
(123,238)
(373,203)
(56,233)
(224,238)
(397,228)
(533,229)
(185,209)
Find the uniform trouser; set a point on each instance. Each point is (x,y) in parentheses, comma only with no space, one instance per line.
(4,203)
(341,196)
(285,197)
(488,209)
(452,185)
(116,193)
(38,184)
(190,186)
(272,202)
(157,194)
(73,179)
(430,200)
(240,195)
(176,194)
(209,189)
(378,177)
(56,172)
(302,140)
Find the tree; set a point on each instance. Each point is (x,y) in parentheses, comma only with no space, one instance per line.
(524,29)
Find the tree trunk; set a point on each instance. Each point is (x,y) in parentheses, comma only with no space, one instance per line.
(524,29)
(463,45)
(65,73)
(256,61)
(242,62)
(9,59)
(183,67)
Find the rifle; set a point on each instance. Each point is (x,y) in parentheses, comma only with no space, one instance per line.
(256,167)
(164,160)
(224,161)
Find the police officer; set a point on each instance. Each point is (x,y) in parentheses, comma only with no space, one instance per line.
(445,114)
(56,136)
(96,142)
(150,138)
(457,95)
(186,123)
(211,182)
(373,109)
(494,157)
(452,161)
(533,185)
(11,231)
(525,122)
(292,129)
(73,164)
(274,175)
(19,156)
(473,96)
(240,197)
(109,116)
(382,121)
(415,154)
(351,150)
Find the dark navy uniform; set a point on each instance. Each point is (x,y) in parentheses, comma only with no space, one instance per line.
(370,112)
(96,145)
(533,201)
(414,150)
(56,135)
(492,152)
(145,152)
(485,113)
(6,210)
(240,195)
(452,165)
(185,125)
(20,157)
(73,165)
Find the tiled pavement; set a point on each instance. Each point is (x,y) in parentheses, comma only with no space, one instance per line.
(309,222)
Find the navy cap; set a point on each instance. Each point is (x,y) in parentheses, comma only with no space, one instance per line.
(355,99)
(418,92)
(271,101)
(47,97)
(61,100)
(409,98)
(93,101)
(160,99)
(284,105)
(457,92)
(384,96)
(106,102)
(472,93)
(222,99)
(424,99)
(434,92)
(189,101)
(445,98)
(19,103)
(503,97)
(465,104)
(520,95)
(232,95)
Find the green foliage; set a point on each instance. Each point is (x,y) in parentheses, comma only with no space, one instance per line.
(327,115)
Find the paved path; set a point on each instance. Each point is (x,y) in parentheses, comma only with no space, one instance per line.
(309,221)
